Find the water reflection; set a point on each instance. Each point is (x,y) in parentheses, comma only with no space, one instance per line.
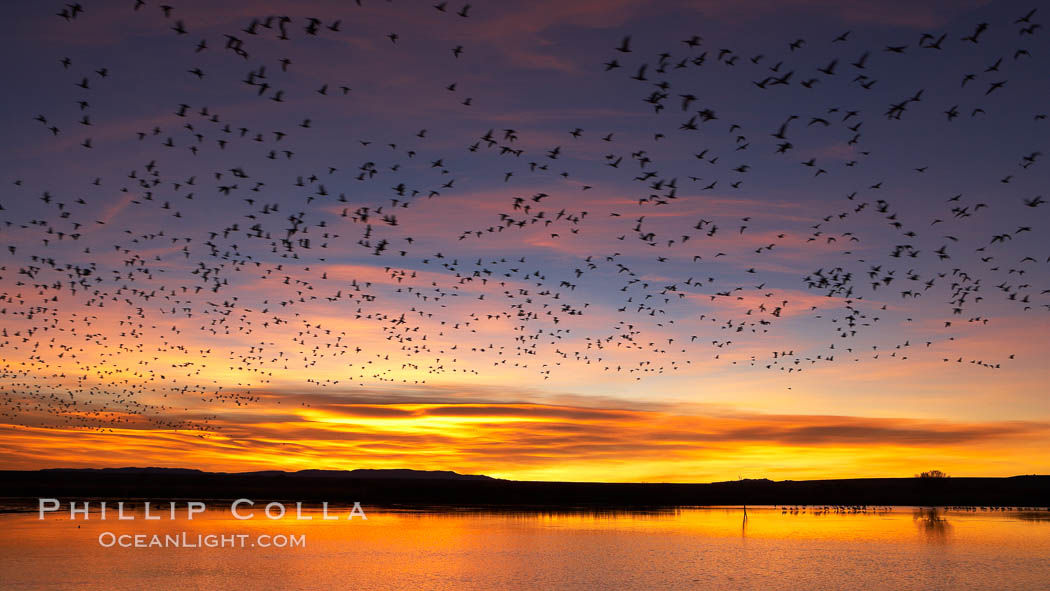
(1041,516)
(757,547)
(935,528)
(541,513)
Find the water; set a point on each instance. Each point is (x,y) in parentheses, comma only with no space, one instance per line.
(897,548)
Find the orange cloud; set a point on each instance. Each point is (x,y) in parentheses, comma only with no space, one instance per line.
(545,442)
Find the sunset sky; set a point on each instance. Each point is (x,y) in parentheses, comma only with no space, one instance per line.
(199,275)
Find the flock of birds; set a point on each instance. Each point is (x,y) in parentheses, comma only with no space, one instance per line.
(882,509)
(224,267)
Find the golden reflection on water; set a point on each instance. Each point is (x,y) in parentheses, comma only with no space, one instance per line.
(722,547)
(935,527)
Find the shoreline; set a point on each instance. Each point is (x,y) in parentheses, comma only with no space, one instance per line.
(377,490)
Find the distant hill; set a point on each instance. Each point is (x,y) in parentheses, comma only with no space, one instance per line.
(420,488)
(370,473)
(125,470)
